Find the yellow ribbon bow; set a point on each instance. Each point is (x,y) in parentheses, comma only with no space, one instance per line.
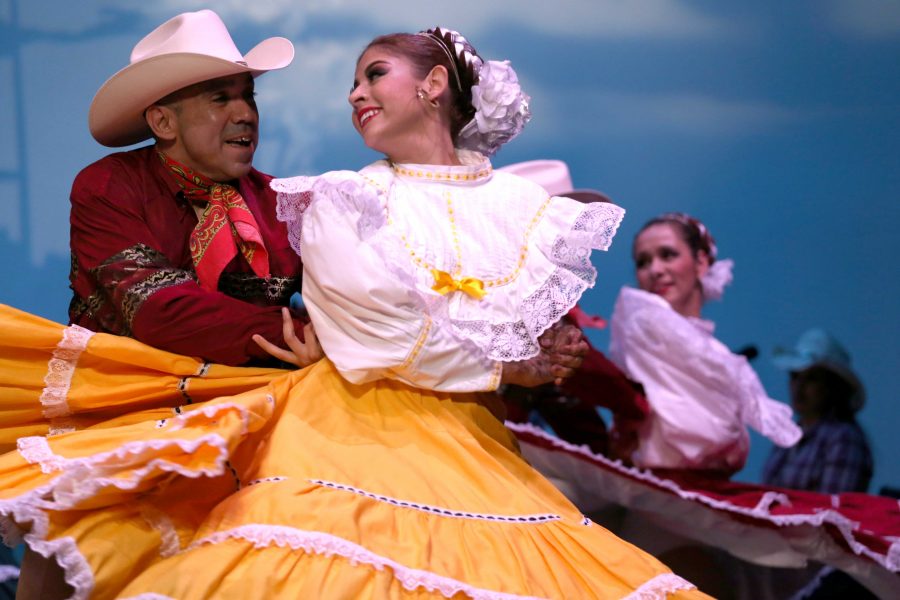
(444,284)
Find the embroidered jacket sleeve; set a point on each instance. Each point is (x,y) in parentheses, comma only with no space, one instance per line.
(371,324)
(129,274)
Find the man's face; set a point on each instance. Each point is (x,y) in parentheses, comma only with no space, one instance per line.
(216,127)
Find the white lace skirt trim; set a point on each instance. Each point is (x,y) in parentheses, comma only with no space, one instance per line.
(162,524)
(315,542)
(660,587)
(82,478)
(890,560)
(60,370)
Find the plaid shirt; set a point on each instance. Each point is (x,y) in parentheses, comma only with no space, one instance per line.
(831,457)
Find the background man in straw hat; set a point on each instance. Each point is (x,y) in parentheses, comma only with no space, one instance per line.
(176,243)
(833,455)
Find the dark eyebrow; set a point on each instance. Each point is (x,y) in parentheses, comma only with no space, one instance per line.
(373,63)
(366,70)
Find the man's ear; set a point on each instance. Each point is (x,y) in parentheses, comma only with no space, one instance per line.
(436,82)
(162,121)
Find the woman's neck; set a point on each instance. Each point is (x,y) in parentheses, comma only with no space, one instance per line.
(433,146)
(691,306)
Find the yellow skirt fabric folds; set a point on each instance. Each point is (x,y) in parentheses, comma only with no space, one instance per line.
(151,475)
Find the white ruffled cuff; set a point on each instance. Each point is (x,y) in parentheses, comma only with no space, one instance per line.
(564,270)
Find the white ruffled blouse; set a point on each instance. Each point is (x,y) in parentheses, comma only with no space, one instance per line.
(374,244)
(701,395)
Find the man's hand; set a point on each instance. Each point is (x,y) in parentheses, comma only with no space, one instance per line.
(563,348)
(301,354)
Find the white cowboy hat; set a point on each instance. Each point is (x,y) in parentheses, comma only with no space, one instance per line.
(185,50)
(553,176)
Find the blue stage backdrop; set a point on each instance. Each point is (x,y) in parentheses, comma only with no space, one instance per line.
(775,123)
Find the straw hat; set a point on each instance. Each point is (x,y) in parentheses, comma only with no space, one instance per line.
(185,50)
(553,176)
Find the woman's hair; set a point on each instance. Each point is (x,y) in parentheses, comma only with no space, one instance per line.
(693,232)
(425,52)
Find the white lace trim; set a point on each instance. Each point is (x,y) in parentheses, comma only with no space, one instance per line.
(890,560)
(60,370)
(326,544)
(8,572)
(30,508)
(593,229)
(659,587)
(80,480)
(160,521)
(78,573)
(82,477)
(60,426)
(437,510)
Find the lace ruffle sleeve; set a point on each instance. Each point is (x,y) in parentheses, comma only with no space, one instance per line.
(548,273)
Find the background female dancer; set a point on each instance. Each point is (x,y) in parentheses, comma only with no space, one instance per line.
(702,396)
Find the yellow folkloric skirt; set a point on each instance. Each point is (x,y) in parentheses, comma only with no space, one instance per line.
(145,472)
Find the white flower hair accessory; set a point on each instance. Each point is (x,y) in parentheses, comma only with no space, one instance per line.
(501,107)
(717,277)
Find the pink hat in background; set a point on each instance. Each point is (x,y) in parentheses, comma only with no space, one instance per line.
(185,50)
(553,176)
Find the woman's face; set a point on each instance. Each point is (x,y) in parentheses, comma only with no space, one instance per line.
(386,111)
(666,266)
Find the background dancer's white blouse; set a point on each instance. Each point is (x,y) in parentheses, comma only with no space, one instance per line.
(375,243)
(701,394)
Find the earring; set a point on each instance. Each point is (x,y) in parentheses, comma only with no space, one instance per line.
(420,94)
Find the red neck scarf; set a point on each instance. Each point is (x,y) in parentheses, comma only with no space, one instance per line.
(225,226)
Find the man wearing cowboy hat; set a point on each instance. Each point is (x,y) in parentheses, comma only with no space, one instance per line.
(833,455)
(176,243)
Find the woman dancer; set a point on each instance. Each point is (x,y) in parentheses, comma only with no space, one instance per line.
(702,397)
(380,471)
